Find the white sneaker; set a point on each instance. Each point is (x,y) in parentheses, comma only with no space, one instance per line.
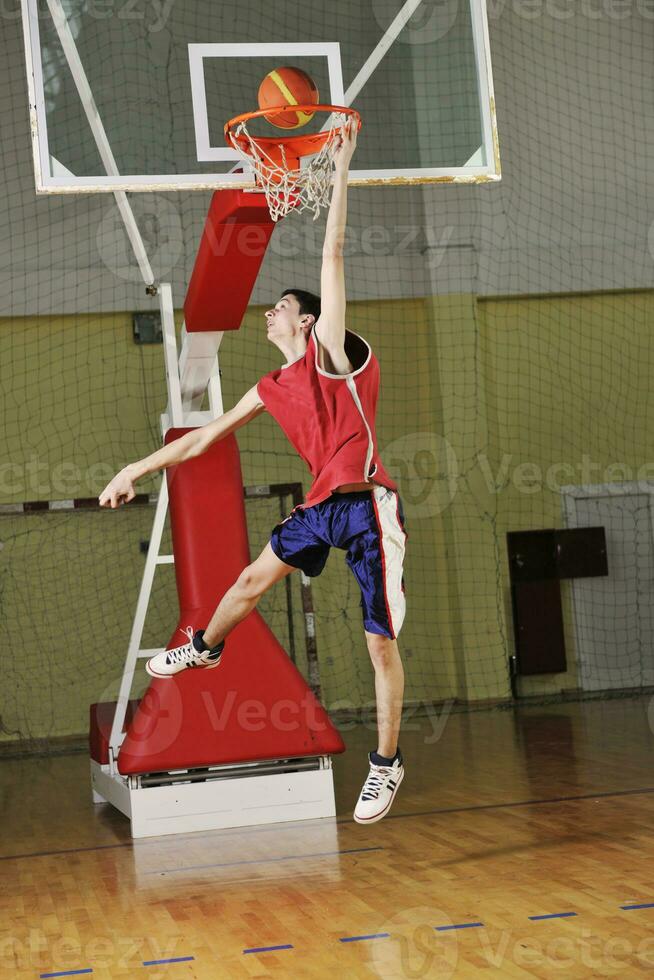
(170,662)
(379,791)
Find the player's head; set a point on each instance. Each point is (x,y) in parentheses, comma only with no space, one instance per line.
(295,312)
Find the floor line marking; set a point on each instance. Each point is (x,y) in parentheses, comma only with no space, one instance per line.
(459,925)
(174,959)
(551,915)
(347,821)
(646,790)
(268,949)
(66,973)
(284,857)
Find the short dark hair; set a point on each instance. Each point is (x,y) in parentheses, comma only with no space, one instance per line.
(309,302)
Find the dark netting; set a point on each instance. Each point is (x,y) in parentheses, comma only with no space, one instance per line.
(512,322)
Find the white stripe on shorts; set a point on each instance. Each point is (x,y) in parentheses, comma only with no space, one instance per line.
(393,540)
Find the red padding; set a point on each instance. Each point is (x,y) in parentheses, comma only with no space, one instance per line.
(100,722)
(233,244)
(256,705)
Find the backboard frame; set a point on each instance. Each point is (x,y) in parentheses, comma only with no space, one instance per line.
(51,178)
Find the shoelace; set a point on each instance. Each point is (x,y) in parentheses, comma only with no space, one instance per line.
(375,782)
(184,653)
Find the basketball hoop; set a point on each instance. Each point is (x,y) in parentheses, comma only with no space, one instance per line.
(276,159)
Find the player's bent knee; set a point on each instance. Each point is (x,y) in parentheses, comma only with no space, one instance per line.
(384,660)
(382,649)
(249,583)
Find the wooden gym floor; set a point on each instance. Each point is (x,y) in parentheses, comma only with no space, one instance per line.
(520,845)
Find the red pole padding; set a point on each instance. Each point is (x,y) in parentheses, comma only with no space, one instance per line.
(233,244)
(256,705)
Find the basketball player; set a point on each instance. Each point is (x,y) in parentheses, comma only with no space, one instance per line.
(353,504)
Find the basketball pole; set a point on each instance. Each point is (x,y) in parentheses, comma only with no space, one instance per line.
(187,377)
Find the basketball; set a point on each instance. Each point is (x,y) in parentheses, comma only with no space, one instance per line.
(288,86)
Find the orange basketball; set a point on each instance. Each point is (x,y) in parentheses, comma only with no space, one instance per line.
(288,86)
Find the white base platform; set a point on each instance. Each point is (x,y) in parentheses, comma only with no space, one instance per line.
(232,799)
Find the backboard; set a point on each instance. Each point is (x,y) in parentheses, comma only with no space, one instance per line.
(134,94)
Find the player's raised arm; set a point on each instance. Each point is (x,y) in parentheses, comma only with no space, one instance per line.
(120,490)
(330,328)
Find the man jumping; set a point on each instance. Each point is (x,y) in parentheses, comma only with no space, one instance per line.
(324,398)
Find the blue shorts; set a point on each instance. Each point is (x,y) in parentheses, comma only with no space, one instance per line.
(369,526)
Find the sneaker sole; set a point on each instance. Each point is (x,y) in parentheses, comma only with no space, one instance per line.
(382,813)
(153,673)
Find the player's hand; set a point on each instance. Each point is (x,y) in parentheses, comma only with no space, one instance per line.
(347,141)
(119,491)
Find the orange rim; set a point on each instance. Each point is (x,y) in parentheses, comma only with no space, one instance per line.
(299,145)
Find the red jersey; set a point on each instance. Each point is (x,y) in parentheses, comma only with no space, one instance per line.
(330,418)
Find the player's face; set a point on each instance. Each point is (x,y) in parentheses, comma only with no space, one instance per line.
(283,319)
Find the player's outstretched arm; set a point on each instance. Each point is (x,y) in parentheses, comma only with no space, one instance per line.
(331,325)
(121,489)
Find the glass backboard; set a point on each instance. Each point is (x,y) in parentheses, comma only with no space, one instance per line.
(129,95)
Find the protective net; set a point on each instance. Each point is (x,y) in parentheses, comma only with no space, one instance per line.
(513,327)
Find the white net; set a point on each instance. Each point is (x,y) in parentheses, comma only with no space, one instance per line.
(289,188)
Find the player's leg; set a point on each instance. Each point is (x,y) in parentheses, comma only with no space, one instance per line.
(375,554)
(389,691)
(297,540)
(203,648)
(242,597)
(386,766)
